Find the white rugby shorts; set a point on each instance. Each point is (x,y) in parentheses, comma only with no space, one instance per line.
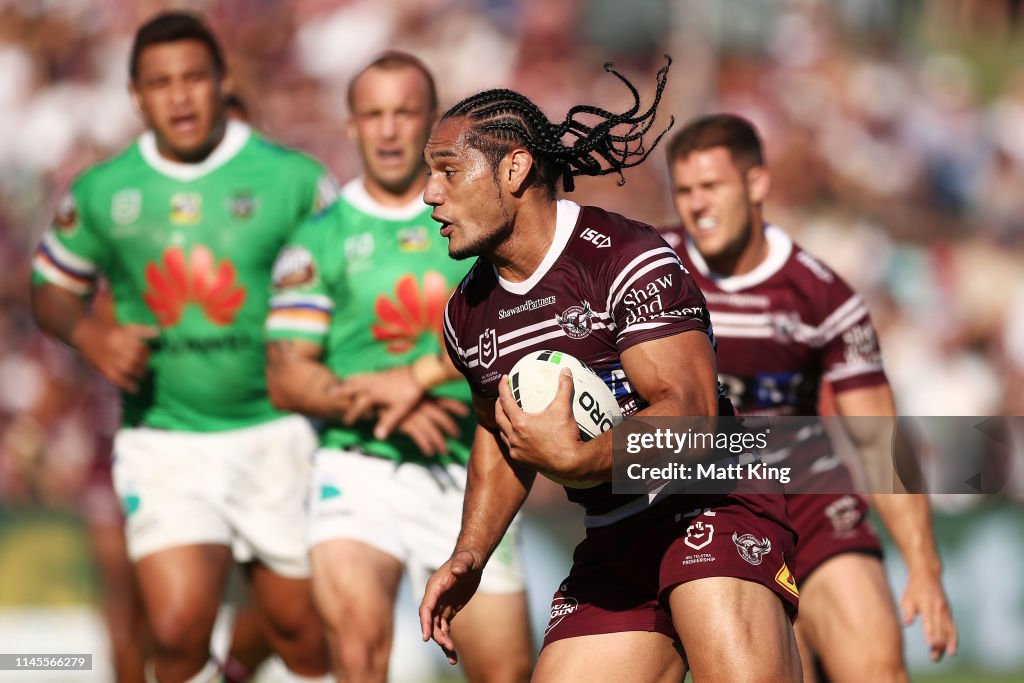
(245,488)
(410,511)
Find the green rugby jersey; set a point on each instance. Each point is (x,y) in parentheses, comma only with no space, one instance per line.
(369,284)
(188,248)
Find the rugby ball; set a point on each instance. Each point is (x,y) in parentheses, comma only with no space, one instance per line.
(534,383)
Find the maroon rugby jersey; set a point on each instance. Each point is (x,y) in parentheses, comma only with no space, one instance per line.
(607,283)
(782,329)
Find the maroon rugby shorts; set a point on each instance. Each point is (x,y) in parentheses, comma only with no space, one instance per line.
(623,573)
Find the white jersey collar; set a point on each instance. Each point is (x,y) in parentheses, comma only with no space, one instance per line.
(566,215)
(780,246)
(236,134)
(356,194)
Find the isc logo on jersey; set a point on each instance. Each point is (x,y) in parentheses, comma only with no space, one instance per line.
(534,383)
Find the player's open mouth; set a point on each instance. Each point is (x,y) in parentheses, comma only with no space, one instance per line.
(390,156)
(446,226)
(185,124)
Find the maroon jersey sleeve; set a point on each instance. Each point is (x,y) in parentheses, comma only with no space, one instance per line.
(850,354)
(650,294)
(452,343)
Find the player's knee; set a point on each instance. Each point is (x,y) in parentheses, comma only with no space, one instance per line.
(293,623)
(887,668)
(180,633)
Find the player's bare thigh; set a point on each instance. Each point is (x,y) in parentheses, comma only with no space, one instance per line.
(734,631)
(354,588)
(492,637)
(635,656)
(848,617)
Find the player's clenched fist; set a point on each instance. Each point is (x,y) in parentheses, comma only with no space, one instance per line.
(118,352)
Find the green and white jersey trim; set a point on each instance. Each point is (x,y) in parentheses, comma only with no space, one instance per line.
(236,135)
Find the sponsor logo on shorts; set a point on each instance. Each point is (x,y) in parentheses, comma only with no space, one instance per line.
(750,548)
(561,607)
(130,502)
(328,491)
(699,534)
(784,578)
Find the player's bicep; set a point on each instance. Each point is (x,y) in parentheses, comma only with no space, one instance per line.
(675,375)
(56,309)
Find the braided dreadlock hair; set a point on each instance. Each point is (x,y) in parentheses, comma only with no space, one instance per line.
(503,119)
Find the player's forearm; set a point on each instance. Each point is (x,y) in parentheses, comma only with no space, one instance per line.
(495,491)
(60,313)
(908,519)
(594,462)
(301,384)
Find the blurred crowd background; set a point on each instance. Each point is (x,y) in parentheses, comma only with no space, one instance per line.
(894,130)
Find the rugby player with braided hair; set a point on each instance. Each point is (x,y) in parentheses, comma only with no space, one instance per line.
(659,584)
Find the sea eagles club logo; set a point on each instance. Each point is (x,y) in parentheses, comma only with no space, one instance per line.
(575,320)
(488,349)
(750,549)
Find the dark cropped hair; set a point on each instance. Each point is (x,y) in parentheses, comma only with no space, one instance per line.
(503,119)
(170,27)
(390,61)
(733,132)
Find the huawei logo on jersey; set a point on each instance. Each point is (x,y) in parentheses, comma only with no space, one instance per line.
(413,311)
(195,278)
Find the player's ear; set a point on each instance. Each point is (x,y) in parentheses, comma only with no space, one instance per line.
(516,167)
(759,181)
(136,100)
(227,85)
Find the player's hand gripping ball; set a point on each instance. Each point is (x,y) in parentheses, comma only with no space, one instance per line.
(534,383)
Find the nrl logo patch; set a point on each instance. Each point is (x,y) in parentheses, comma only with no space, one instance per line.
(699,534)
(751,549)
(575,321)
(488,347)
(126,206)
